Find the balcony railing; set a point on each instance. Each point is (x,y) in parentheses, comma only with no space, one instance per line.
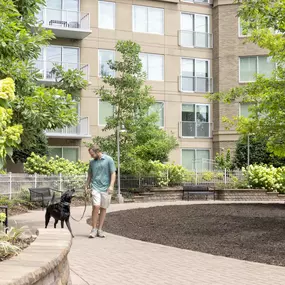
(196,84)
(195,129)
(46,74)
(65,23)
(193,39)
(200,1)
(79,131)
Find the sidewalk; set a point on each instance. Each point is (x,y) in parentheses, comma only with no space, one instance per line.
(119,260)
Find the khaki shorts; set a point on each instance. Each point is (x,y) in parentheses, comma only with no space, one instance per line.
(102,199)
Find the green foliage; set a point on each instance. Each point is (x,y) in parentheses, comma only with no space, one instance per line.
(10,135)
(269,178)
(72,81)
(43,165)
(141,139)
(258,153)
(208,176)
(224,162)
(2,217)
(169,174)
(35,107)
(262,19)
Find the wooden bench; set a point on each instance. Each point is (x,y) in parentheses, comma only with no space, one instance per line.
(197,190)
(43,195)
(5,208)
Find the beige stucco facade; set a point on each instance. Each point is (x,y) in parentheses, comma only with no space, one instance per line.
(223,58)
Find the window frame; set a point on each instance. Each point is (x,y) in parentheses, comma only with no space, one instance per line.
(100,125)
(147,20)
(192,58)
(68,147)
(163,104)
(114,15)
(257,66)
(195,150)
(114,58)
(209,120)
(163,66)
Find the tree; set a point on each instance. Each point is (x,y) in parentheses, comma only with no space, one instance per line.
(9,133)
(36,108)
(258,153)
(141,139)
(264,21)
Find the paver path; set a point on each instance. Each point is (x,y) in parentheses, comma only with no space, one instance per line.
(119,260)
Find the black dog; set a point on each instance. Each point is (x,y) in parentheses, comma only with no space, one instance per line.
(61,211)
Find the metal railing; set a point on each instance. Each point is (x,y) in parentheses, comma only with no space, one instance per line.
(195,84)
(66,19)
(81,130)
(17,184)
(45,69)
(195,39)
(195,129)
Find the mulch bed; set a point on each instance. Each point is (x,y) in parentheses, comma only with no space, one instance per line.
(254,232)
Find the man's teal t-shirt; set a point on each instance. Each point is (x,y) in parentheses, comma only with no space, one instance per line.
(101,171)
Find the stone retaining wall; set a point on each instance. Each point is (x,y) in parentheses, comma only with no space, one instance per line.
(44,262)
(176,193)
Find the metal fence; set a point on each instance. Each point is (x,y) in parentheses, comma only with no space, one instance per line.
(12,184)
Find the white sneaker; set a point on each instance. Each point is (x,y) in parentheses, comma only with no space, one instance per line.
(100,234)
(93,233)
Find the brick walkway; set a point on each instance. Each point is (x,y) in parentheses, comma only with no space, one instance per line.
(118,260)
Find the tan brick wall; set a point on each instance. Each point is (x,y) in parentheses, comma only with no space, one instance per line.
(228,46)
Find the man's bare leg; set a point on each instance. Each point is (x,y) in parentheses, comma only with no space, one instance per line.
(101,222)
(95,214)
(102,218)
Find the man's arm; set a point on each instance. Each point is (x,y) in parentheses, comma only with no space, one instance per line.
(87,185)
(112,169)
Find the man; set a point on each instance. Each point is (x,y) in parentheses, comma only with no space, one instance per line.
(101,178)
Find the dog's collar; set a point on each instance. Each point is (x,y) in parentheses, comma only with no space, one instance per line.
(65,203)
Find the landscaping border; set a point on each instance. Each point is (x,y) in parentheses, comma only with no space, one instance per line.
(45,261)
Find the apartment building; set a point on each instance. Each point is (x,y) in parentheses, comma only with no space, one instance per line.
(188,48)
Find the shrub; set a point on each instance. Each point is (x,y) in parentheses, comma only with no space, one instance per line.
(170,173)
(43,165)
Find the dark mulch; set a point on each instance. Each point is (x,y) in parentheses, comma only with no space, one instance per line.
(253,232)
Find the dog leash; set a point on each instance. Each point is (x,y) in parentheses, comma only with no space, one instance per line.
(86,197)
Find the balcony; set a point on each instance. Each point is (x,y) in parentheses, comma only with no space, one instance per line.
(196,84)
(195,129)
(45,69)
(76,132)
(191,39)
(199,1)
(65,23)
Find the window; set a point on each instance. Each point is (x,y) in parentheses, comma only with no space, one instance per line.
(158,107)
(70,153)
(195,31)
(148,20)
(241,32)
(195,120)
(105,111)
(104,57)
(196,159)
(199,1)
(67,57)
(244,109)
(106,15)
(251,65)
(153,66)
(195,76)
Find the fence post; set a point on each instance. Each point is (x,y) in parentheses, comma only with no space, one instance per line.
(60,181)
(196,177)
(10,185)
(225,176)
(35,180)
